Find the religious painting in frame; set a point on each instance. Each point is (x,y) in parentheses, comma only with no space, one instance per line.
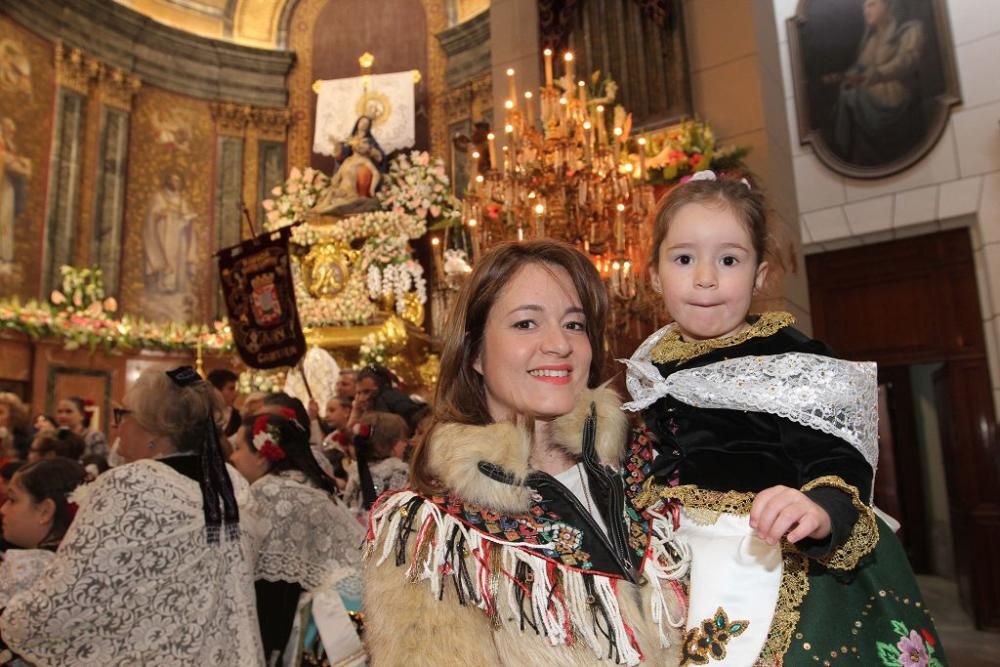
(874,81)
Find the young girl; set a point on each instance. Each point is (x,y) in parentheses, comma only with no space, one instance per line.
(36,514)
(770,445)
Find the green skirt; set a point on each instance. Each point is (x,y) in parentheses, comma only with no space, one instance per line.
(872,615)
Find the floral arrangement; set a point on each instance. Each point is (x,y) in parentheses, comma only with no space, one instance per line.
(418,185)
(295,198)
(266,438)
(82,317)
(681,150)
(82,291)
(456,262)
(373,350)
(265,381)
(395,280)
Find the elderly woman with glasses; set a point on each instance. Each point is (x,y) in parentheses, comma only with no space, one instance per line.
(153,569)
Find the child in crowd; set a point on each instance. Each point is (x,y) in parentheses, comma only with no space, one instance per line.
(36,515)
(769,443)
(380,449)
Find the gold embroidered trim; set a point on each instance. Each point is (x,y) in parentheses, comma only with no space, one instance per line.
(864,535)
(730,502)
(673,348)
(792,590)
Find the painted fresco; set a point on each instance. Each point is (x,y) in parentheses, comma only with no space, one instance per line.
(168,268)
(26,85)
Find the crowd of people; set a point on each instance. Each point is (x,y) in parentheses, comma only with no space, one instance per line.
(527,516)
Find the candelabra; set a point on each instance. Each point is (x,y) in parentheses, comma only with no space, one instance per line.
(565,172)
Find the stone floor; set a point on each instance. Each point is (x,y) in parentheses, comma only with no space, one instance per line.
(963,644)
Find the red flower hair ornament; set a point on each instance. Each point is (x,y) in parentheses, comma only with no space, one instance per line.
(265,439)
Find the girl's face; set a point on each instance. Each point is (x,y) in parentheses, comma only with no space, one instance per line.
(707,271)
(535,355)
(25,522)
(68,416)
(251,465)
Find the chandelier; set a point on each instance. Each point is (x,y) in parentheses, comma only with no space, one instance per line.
(564,171)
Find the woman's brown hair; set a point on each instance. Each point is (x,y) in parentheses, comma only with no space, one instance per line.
(461,394)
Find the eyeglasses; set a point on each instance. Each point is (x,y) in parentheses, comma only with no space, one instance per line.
(118,414)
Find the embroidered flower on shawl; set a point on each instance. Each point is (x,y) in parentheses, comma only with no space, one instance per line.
(912,651)
(265,440)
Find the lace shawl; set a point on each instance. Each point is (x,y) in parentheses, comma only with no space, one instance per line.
(135,582)
(19,570)
(833,396)
(302,535)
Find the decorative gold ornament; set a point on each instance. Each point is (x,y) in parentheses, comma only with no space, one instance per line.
(326,268)
(413,309)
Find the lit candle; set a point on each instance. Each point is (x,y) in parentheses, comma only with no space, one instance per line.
(511,83)
(438,262)
(540,220)
(529,109)
(474,233)
(588,138)
(618,143)
(548,67)
(583,93)
(568,58)
(642,158)
(620,229)
(602,138)
(492,139)
(475,163)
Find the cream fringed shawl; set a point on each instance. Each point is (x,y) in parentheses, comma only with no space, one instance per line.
(135,582)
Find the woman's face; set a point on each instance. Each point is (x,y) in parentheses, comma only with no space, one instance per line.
(42,423)
(535,355)
(68,415)
(251,465)
(25,522)
(876,11)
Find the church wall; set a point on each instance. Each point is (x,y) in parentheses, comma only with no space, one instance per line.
(146,172)
(957,184)
(27,85)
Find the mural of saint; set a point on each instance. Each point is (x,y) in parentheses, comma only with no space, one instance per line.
(170,251)
(15,68)
(14,173)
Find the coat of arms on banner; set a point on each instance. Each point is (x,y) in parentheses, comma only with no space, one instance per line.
(266,305)
(256,278)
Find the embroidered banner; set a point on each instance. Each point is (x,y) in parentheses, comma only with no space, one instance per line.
(256,278)
(387,99)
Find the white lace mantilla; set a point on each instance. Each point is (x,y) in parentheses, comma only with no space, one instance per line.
(20,569)
(830,395)
(302,535)
(136,583)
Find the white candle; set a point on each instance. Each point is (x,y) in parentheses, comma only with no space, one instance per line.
(548,67)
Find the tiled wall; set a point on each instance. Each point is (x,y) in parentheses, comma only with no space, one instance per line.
(956,184)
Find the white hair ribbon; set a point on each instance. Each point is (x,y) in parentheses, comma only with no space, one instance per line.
(709,175)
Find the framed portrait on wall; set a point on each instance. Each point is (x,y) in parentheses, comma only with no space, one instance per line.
(874,81)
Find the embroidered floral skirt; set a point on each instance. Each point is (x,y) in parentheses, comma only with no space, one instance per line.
(873,615)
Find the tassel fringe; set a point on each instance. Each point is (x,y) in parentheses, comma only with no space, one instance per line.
(510,583)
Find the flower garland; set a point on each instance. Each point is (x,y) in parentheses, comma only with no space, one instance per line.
(373,350)
(82,317)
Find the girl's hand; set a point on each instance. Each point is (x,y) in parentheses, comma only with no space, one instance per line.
(780,509)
